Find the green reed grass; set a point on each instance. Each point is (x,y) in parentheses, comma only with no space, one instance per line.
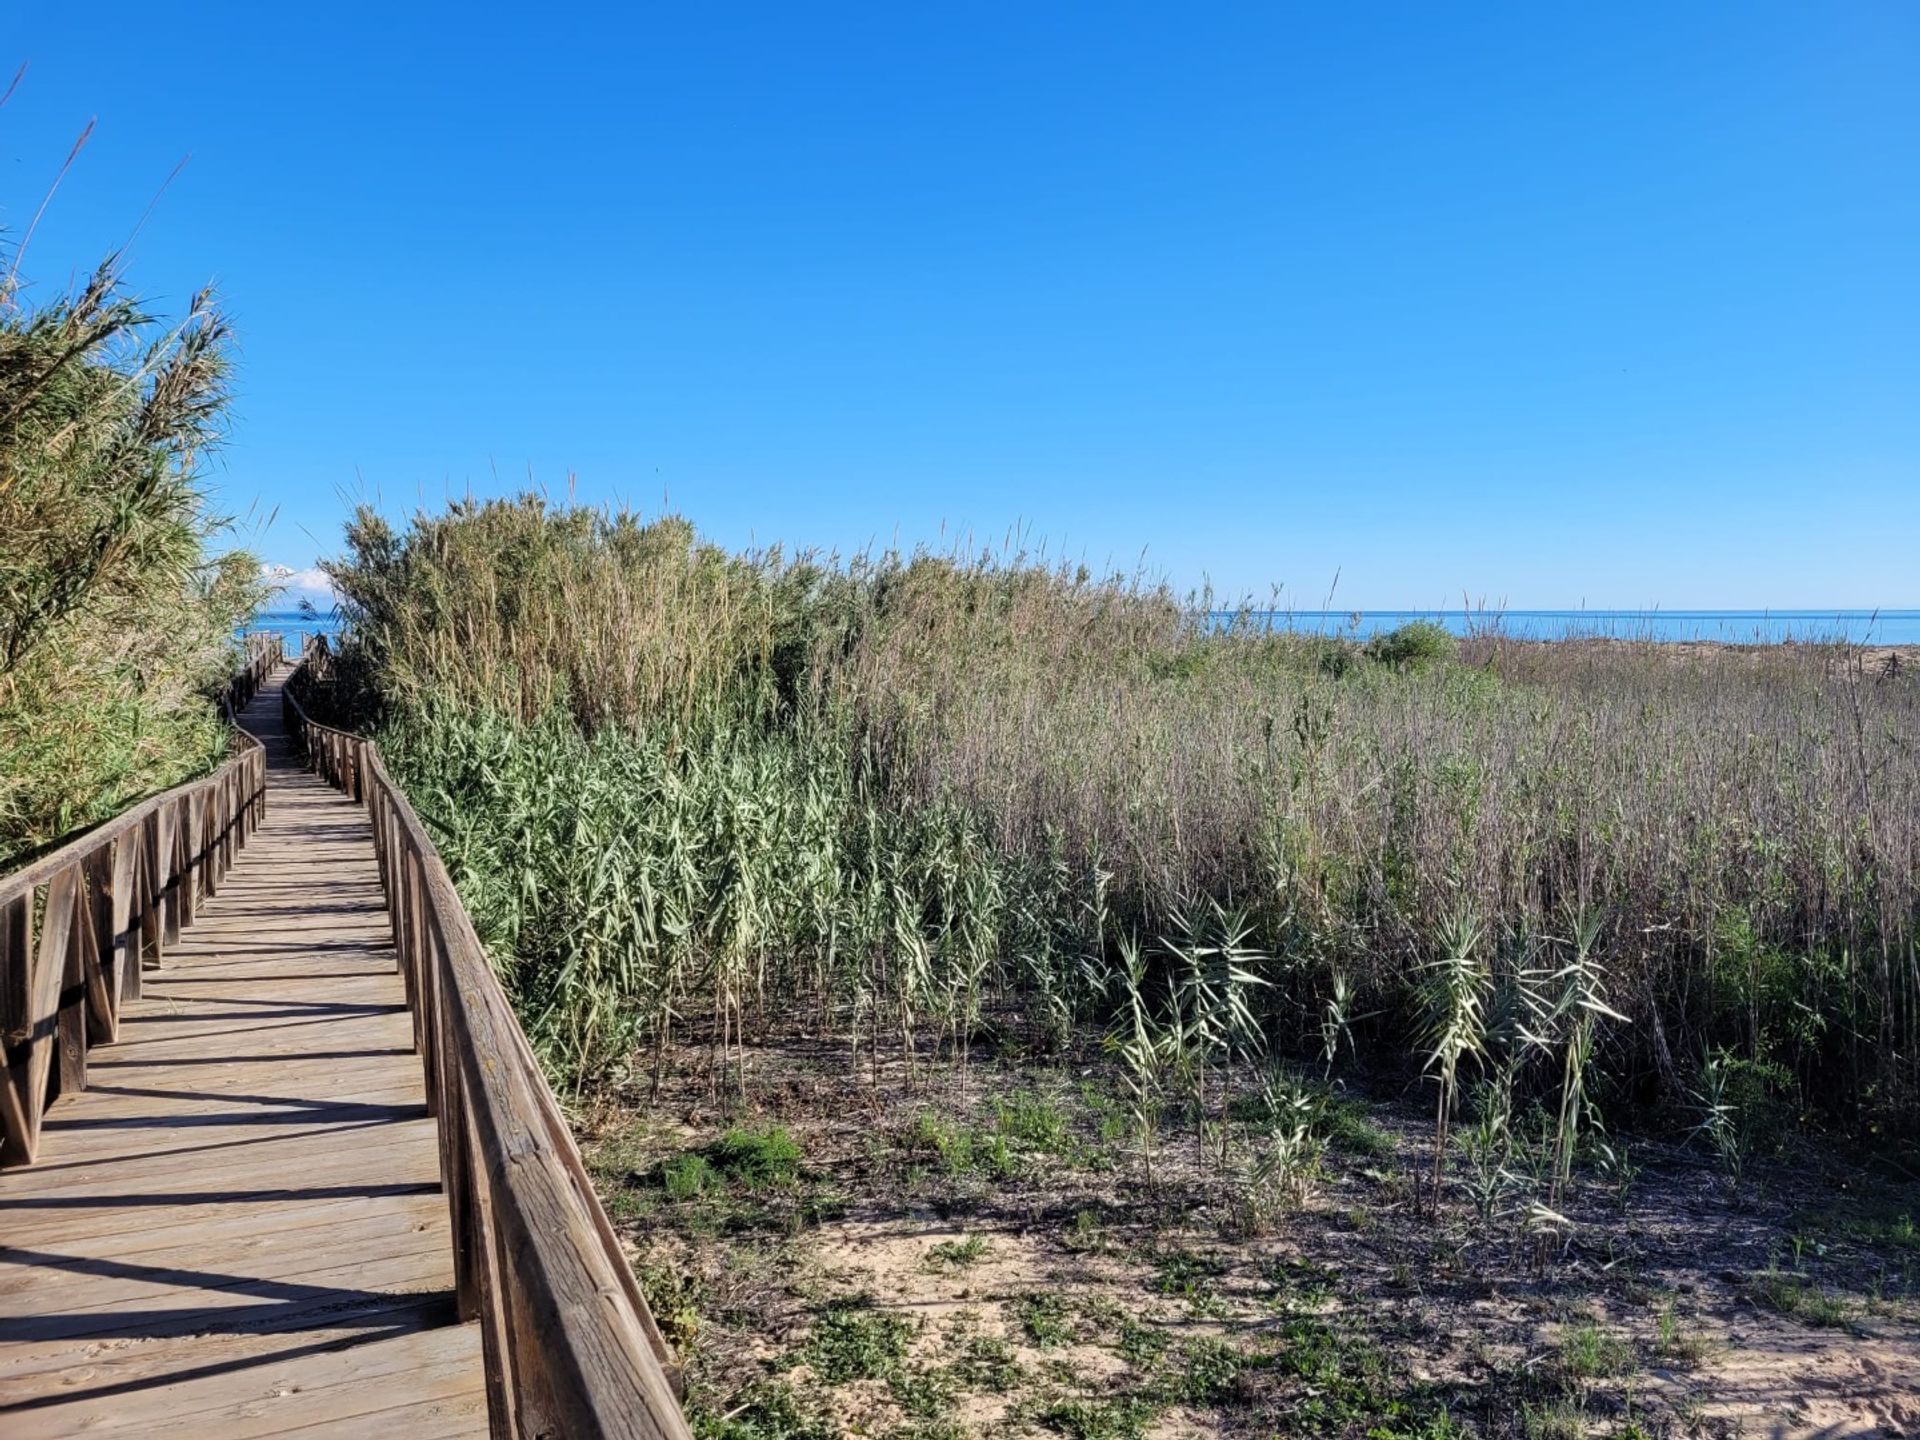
(116,623)
(689,793)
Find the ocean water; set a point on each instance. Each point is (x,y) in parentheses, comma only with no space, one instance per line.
(1737,627)
(295,626)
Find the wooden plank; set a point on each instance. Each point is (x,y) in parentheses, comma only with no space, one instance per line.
(427,1380)
(348,1255)
(183,1235)
(376,1107)
(283,1164)
(33,1375)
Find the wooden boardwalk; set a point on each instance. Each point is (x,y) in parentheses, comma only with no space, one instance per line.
(238,1228)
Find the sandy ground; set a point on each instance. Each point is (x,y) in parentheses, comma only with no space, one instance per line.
(1787,1306)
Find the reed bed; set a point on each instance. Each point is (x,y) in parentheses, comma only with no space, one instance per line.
(117,620)
(918,802)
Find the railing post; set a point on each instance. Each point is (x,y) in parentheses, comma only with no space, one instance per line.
(193,858)
(17,1121)
(153,889)
(103,990)
(125,981)
(70,1029)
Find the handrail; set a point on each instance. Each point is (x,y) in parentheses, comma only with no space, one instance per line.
(107,904)
(571,1348)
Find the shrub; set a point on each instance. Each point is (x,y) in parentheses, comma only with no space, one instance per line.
(1417,643)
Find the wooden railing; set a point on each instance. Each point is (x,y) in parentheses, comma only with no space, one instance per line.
(78,925)
(571,1347)
(265,653)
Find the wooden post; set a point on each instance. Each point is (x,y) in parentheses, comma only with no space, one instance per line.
(126,937)
(102,968)
(491,1305)
(70,1029)
(18,1127)
(30,1055)
(170,852)
(152,893)
(193,857)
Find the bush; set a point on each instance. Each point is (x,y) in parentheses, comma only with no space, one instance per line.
(1417,643)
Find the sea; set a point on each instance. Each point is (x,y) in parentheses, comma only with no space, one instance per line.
(296,625)
(1733,627)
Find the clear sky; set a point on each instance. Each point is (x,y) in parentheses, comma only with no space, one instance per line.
(1537,303)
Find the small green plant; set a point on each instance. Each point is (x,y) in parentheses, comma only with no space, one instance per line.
(930,1428)
(757,1158)
(1204,1372)
(1145,1054)
(1297,1281)
(1738,1100)
(922,1392)
(964,1151)
(1188,1275)
(987,1363)
(1086,1232)
(1033,1120)
(957,1254)
(767,1411)
(674,1298)
(1336,1021)
(1590,1353)
(1673,1345)
(1287,1164)
(686,1176)
(1141,1346)
(1455,1001)
(1795,1295)
(1554,1420)
(1350,1128)
(851,1340)
(1046,1318)
(1123,1419)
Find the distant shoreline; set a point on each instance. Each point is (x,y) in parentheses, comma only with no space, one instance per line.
(1877,628)
(1881,633)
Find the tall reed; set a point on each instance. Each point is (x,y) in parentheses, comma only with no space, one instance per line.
(117,621)
(902,796)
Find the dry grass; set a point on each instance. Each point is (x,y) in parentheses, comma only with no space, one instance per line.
(895,789)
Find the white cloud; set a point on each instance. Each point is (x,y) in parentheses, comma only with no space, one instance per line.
(297,585)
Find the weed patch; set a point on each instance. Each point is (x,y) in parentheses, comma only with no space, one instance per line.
(853,1341)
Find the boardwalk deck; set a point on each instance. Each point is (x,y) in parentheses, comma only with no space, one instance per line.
(238,1228)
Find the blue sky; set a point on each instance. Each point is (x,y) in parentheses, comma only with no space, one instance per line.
(1537,304)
